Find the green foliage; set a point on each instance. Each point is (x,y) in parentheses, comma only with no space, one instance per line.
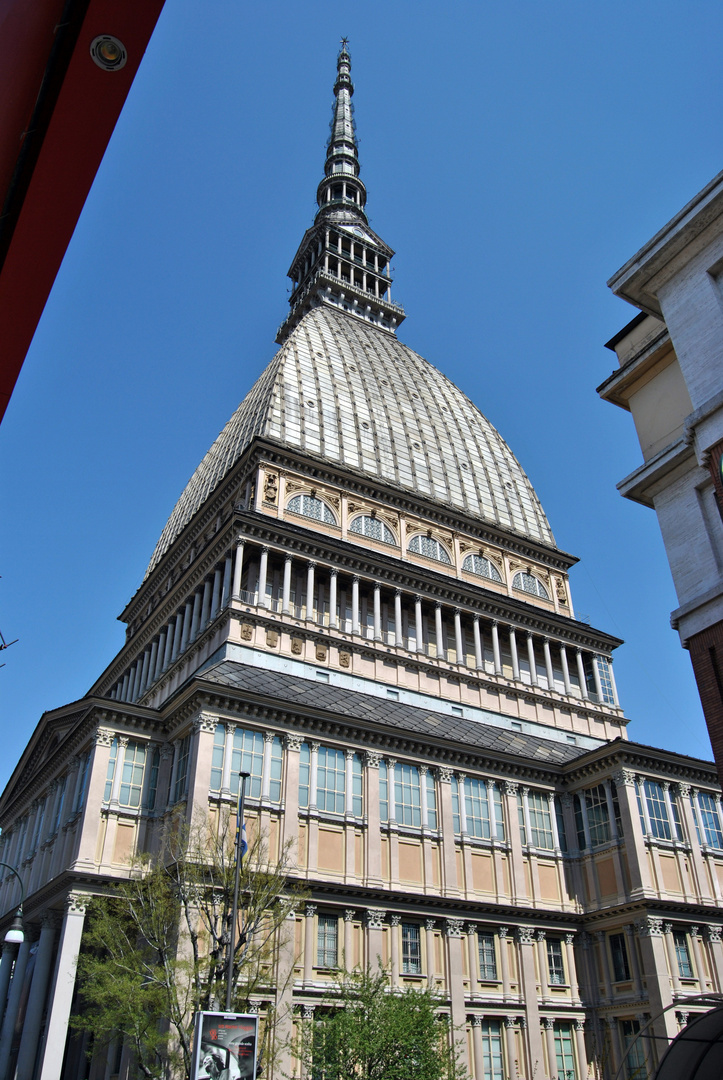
(370,1032)
(156,946)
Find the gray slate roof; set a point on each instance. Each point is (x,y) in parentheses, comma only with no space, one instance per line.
(291,691)
(350,394)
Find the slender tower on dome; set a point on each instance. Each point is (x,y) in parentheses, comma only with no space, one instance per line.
(341,261)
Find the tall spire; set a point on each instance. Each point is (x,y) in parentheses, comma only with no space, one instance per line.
(340,260)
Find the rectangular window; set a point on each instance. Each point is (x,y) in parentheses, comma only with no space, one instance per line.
(219,744)
(304,773)
(540,820)
(555,965)
(619,953)
(491,1050)
(131,785)
(330,781)
(431,801)
(411,950)
(82,783)
(710,819)
(357,791)
(560,819)
(657,810)
(635,1067)
(564,1051)
(247,755)
(598,817)
(606,680)
(153,778)
(476,803)
(383,792)
(327,941)
(487,958)
(181,784)
(685,969)
(579,822)
(407,795)
(111,770)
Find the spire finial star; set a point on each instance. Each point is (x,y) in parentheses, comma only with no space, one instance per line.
(344,43)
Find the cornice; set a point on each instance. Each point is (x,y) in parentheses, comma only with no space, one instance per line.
(641,759)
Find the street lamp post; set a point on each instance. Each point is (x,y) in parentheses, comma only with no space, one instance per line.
(234,910)
(16,933)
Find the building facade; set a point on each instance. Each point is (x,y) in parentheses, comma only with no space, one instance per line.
(358,598)
(671,379)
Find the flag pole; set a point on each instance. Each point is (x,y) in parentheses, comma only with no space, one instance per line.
(239,853)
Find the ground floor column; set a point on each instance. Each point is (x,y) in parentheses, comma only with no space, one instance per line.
(11,1012)
(61,993)
(36,1001)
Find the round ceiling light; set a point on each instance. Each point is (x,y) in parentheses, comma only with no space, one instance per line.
(108,52)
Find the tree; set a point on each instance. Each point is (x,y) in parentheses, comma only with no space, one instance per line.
(156,947)
(368,1031)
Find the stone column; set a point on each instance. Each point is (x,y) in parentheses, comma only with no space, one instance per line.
(531,659)
(550,1041)
(227,755)
(582,1061)
(429,941)
(462,800)
(355,629)
(238,563)
(195,618)
(348,938)
(200,759)
(542,964)
(672,957)
(313,773)
(581,675)
(601,938)
(88,829)
(640,784)
(373,857)
(216,592)
(438,632)
(205,608)
(391,790)
(6,967)
(519,884)
(478,652)
(290,818)
(633,954)
(449,881)
(596,677)
(423,773)
(13,1005)
(513,651)
(333,588)
(349,783)
(696,862)
(572,968)
(377,611)
(226,587)
(263,572)
(418,623)
(309,916)
(715,953)
(472,957)
(375,922)
(565,671)
(395,921)
(458,642)
(266,767)
(553,822)
(548,664)
(61,993)
(632,833)
(526,816)
(398,625)
(36,1001)
(118,770)
(310,584)
(528,979)
(477,1046)
(510,1022)
(455,985)
(496,648)
(504,963)
(652,948)
(698,959)
(286,587)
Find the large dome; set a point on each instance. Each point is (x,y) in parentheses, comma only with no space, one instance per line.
(353,395)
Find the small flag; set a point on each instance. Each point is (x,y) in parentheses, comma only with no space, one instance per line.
(244,844)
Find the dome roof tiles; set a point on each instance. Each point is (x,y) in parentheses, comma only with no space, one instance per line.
(353,395)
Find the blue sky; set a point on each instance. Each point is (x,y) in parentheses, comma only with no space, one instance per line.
(515,156)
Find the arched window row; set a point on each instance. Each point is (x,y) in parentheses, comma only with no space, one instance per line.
(373,528)
(481,566)
(530,584)
(430,548)
(310,506)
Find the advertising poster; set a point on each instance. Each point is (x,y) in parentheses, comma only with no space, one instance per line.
(224,1046)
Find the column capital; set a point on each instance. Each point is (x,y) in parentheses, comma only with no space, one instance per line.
(395,919)
(471,929)
(423,769)
(310,910)
(526,935)
(122,741)
(444,772)
(372,759)
(476,1021)
(714,932)
(349,754)
(75,903)
(429,924)
(579,1023)
(624,778)
(104,736)
(540,935)
(510,787)
(314,745)
(375,918)
(391,763)
(668,928)
(333,571)
(501,931)
(650,926)
(570,938)
(349,914)
(454,927)
(549,1023)
(206,722)
(684,790)
(307,1012)
(293,742)
(510,1021)
(269,736)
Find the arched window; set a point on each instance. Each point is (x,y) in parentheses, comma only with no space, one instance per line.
(529,583)
(311,507)
(373,528)
(482,567)
(430,548)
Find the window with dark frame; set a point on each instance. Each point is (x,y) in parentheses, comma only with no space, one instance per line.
(555,964)
(411,950)
(487,958)
(619,954)
(327,941)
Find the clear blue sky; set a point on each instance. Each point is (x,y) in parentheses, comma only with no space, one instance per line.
(515,156)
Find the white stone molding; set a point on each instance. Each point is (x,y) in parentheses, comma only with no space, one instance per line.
(395,920)
(349,914)
(714,932)
(310,910)
(372,759)
(650,926)
(444,772)
(526,935)
(375,918)
(624,777)
(205,722)
(76,903)
(293,742)
(429,925)
(510,787)
(104,736)
(454,928)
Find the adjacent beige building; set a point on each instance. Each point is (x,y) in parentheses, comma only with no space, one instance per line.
(359,600)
